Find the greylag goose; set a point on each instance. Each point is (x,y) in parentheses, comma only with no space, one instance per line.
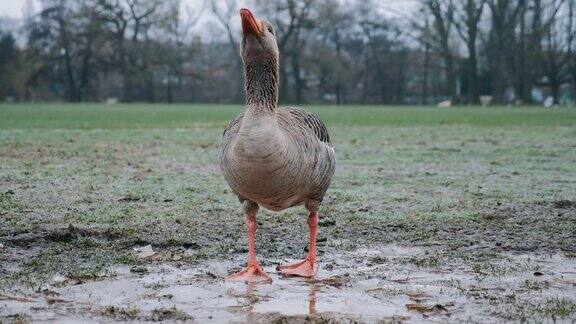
(270,157)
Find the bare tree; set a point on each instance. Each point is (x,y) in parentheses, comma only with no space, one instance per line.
(443,12)
(180,20)
(330,53)
(291,18)
(504,16)
(151,50)
(128,22)
(557,43)
(12,75)
(467,15)
(225,12)
(571,30)
(426,64)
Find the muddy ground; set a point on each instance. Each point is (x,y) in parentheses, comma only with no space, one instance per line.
(439,223)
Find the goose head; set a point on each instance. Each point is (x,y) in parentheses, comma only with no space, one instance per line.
(259,44)
(259,51)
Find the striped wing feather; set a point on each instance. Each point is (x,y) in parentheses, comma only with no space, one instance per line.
(298,117)
(303,118)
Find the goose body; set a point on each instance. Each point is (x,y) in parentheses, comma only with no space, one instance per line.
(278,160)
(273,158)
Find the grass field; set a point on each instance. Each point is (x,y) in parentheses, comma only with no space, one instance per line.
(91,116)
(478,201)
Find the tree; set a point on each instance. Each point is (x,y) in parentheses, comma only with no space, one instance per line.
(557,43)
(442,12)
(571,30)
(384,56)
(178,26)
(225,11)
(504,20)
(128,23)
(331,51)
(51,41)
(467,15)
(291,19)
(11,72)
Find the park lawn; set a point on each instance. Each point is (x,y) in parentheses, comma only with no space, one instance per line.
(81,185)
(89,116)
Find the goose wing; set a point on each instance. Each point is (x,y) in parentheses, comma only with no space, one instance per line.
(233,127)
(308,121)
(313,141)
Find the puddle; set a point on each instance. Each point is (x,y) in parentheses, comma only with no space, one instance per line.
(368,285)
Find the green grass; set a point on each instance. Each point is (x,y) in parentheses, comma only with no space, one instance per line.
(474,183)
(88,116)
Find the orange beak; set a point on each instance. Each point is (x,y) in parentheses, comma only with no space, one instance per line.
(249,24)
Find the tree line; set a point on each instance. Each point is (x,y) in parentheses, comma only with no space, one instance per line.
(464,51)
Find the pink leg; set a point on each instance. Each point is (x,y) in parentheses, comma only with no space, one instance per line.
(307,267)
(253,272)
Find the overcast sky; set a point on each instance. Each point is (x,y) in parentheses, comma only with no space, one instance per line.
(12,8)
(15,8)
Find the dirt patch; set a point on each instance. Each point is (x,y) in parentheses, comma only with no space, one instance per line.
(61,235)
(156,315)
(565,204)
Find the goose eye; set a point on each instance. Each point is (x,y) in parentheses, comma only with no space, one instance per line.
(270,29)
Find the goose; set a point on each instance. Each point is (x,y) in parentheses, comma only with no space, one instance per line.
(271,157)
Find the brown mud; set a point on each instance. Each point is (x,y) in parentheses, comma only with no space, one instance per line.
(366,285)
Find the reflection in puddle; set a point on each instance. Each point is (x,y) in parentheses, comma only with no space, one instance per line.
(251,296)
(312,299)
(273,304)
